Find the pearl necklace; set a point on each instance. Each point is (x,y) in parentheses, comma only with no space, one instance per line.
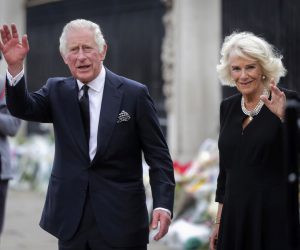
(257,109)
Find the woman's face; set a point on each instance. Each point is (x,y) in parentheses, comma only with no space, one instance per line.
(247,75)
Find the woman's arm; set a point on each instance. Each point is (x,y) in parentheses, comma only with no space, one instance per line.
(215,231)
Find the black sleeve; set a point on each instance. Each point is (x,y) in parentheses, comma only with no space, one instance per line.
(220,193)
(156,153)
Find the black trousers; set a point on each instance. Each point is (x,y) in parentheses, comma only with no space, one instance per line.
(88,237)
(3,194)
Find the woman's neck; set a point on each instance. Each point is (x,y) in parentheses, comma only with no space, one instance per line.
(251,101)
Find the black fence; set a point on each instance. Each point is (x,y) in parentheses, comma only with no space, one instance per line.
(278,21)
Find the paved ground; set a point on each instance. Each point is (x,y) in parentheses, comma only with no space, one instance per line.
(21,229)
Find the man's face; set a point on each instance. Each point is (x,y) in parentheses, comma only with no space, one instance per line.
(83,56)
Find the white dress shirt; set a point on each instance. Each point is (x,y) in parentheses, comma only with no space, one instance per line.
(95,98)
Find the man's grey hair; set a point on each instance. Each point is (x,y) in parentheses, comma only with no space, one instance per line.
(78,24)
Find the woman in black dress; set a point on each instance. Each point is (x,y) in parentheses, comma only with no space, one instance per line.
(251,183)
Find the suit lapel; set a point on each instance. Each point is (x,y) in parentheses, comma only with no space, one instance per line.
(111,101)
(71,107)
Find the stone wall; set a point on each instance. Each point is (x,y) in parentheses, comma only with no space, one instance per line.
(190,55)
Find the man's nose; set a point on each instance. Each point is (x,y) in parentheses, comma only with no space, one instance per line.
(81,54)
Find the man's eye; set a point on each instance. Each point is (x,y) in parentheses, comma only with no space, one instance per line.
(87,49)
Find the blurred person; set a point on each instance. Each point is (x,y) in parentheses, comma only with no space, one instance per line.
(102,122)
(9,126)
(251,184)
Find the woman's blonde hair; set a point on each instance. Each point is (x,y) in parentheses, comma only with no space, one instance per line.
(249,46)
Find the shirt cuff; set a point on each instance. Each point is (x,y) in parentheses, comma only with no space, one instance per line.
(12,81)
(164,209)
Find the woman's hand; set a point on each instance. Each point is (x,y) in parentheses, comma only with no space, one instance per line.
(277,103)
(214,237)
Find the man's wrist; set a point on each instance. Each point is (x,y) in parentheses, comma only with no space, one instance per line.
(163,209)
(15,70)
(13,80)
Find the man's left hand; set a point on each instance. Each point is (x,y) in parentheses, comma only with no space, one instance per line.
(161,219)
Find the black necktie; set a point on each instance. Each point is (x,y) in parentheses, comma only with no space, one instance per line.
(85,111)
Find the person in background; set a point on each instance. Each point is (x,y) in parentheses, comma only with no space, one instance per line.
(103,123)
(251,183)
(9,126)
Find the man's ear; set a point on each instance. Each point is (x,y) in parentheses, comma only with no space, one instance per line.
(103,52)
(64,57)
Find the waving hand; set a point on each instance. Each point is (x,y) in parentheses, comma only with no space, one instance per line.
(277,103)
(13,50)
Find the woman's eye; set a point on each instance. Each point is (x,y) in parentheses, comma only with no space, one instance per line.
(250,67)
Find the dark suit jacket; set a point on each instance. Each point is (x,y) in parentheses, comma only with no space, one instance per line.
(114,176)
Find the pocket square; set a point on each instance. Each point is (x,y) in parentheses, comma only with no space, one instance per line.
(123,117)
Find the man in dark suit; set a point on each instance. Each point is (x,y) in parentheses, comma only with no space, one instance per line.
(102,122)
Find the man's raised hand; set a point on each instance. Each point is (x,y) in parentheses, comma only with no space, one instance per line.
(14,51)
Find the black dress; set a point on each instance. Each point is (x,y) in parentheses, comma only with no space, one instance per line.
(251,182)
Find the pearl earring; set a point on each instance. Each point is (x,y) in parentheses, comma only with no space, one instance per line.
(263,77)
